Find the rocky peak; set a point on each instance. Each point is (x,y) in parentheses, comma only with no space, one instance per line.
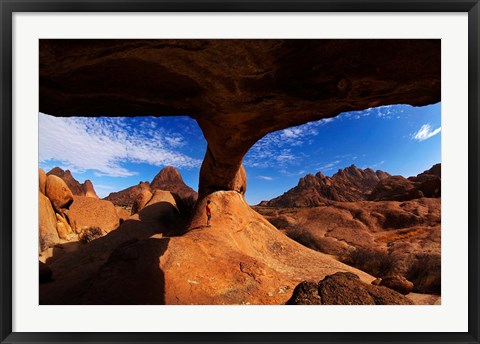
(347,185)
(168,175)
(67,177)
(436,170)
(168,179)
(381,175)
(352,170)
(308,180)
(88,189)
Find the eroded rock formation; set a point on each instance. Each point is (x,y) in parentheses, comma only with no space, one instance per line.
(88,212)
(77,188)
(241,259)
(344,288)
(348,185)
(237,90)
(354,184)
(168,179)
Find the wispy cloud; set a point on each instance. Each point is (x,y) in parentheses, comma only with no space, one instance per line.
(328,166)
(425,132)
(105,144)
(275,149)
(265,178)
(287,173)
(384,112)
(380,163)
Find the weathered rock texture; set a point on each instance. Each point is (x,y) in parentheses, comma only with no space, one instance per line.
(240,259)
(168,179)
(141,200)
(47,223)
(345,288)
(354,184)
(42,180)
(58,193)
(88,212)
(126,197)
(397,283)
(78,189)
(397,188)
(347,185)
(381,238)
(237,90)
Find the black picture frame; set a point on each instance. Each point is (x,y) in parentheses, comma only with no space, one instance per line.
(8,7)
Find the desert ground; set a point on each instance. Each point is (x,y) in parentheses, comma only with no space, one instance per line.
(149,244)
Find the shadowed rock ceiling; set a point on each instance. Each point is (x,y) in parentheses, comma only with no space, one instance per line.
(237,90)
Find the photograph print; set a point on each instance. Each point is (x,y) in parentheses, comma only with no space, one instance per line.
(239,172)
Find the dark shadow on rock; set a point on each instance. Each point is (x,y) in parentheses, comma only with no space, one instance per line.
(131,275)
(74,270)
(344,288)
(44,272)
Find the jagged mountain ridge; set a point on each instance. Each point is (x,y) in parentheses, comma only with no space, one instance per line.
(353,184)
(347,185)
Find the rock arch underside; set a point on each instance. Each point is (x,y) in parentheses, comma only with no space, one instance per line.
(237,91)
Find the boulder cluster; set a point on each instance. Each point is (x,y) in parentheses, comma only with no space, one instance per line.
(64,215)
(345,288)
(55,198)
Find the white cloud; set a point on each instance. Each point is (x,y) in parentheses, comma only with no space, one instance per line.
(384,112)
(104,144)
(274,149)
(425,132)
(329,166)
(265,178)
(380,163)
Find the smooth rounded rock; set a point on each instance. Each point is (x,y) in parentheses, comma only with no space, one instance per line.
(58,193)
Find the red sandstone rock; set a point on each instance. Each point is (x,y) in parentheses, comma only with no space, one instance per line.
(122,213)
(240,259)
(42,180)
(63,227)
(397,283)
(169,179)
(88,189)
(345,288)
(141,200)
(91,212)
(58,193)
(347,185)
(395,188)
(47,223)
(126,197)
(78,189)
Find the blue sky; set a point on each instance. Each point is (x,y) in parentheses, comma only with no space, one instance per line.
(115,153)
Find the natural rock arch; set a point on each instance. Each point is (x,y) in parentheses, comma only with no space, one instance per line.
(237,90)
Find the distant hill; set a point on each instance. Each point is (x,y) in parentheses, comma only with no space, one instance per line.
(355,184)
